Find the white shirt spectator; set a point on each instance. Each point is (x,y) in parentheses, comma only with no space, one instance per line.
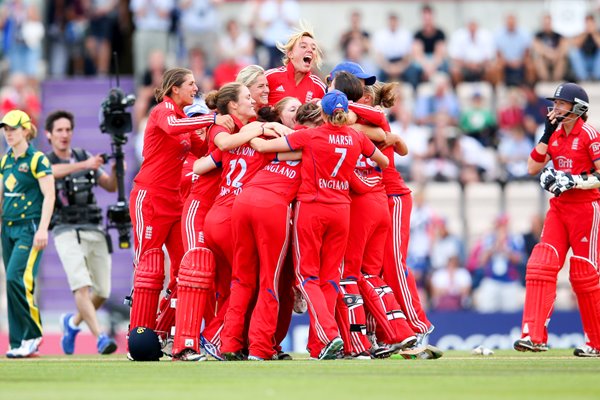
(478,48)
(392,44)
(152,15)
(279,18)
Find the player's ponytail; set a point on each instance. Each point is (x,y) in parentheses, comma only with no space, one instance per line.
(386,94)
(338,118)
(171,78)
(219,99)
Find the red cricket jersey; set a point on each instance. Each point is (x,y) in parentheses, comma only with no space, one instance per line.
(168,139)
(239,166)
(329,155)
(575,153)
(392,180)
(282,83)
(282,178)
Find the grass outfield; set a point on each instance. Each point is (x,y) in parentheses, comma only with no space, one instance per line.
(458,375)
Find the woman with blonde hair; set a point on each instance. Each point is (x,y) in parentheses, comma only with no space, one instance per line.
(295,77)
(27,203)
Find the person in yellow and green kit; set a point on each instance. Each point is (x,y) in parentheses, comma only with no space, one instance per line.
(27,195)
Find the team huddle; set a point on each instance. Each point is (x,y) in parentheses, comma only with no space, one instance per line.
(280,195)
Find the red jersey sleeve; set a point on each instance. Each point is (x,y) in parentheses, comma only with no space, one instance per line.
(361,185)
(170,123)
(199,146)
(217,157)
(370,115)
(367,148)
(298,139)
(594,147)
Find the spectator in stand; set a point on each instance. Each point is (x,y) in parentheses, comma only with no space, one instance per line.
(479,121)
(355,33)
(357,52)
(472,53)
(419,246)
(202,75)
(145,93)
(22,32)
(511,114)
(392,46)
(513,57)
(513,153)
(236,50)
(442,100)
(429,47)
(152,20)
(450,286)
(500,256)
(530,239)
(549,51)
(199,26)
(443,156)
(415,136)
(444,245)
(236,43)
(102,14)
(19,94)
(66,23)
(534,111)
(277,19)
(584,53)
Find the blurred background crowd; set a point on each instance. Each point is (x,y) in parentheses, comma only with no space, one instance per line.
(470,108)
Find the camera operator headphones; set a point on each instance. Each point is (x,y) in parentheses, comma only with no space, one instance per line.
(575,95)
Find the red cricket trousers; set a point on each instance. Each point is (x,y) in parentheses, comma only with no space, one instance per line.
(260,223)
(320,239)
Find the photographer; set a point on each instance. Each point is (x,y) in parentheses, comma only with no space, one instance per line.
(80,240)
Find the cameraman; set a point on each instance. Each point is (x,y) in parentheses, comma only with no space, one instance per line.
(81,241)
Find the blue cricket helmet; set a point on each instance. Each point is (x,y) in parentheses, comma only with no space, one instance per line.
(144,344)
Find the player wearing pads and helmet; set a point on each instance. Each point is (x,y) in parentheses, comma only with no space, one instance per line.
(572,221)
(155,204)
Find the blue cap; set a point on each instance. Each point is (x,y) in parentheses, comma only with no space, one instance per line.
(144,344)
(334,100)
(570,92)
(355,69)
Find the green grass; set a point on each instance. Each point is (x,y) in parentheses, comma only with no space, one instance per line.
(458,375)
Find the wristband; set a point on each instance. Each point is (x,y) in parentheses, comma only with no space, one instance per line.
(537,156)
(214,118)
(263,129)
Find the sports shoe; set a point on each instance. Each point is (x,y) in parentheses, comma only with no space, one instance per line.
(282,356)
(189,355)
(422,337)
(167,347)
(365,355)
(211,349)
(234,356)
(105,344)
(300,305)
(407,343)
(525,344)
(329,352)
(586,351)
(382,351)
(67,342)
(28,348)
(255,358)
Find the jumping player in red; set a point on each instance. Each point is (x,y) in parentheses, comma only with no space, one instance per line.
(329,154)
(155,205)
(572,221)
(301,54)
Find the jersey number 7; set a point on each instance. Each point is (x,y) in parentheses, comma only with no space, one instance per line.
(342,151)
